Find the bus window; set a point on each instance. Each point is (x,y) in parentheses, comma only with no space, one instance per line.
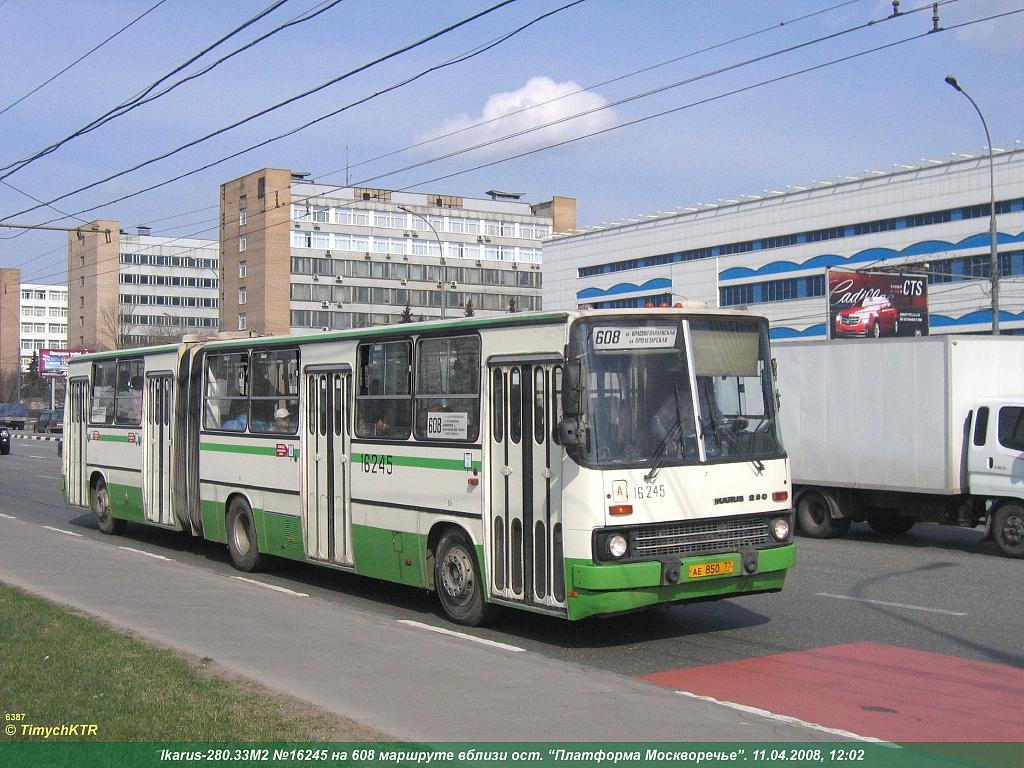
(227,404)
(498,406)
(448,389)
(384,394)
(515,406)
(539,398)
(128,396)
(104,377)
(274,400)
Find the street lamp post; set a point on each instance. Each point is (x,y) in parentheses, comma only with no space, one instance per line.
(444,265)
(994,253)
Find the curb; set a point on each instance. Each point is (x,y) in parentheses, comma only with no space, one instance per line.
(47,438)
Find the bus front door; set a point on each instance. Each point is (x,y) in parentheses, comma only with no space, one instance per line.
(75,442)
(326,525)
(157,439)
(526,560)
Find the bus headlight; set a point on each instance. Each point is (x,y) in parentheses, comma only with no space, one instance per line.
(780,528)
(617,545)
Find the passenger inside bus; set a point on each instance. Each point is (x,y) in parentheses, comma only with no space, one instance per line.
(382,425)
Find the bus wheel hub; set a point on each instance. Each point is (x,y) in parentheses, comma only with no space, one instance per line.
(456,574)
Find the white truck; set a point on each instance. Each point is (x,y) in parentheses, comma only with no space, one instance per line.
(904,430)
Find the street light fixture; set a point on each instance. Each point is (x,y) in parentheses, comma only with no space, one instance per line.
(444,266)
(994,253)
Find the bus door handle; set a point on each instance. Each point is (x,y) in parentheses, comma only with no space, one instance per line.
(506,471)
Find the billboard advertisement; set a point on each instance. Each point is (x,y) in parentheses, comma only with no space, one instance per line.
(53,363)
(875,304)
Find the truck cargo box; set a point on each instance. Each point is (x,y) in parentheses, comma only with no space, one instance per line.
(889,414)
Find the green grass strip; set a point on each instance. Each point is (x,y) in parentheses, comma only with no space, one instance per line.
(61,667)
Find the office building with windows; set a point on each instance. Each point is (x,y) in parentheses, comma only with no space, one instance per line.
(127,290)
(44,320)
(300,257)
(769,252)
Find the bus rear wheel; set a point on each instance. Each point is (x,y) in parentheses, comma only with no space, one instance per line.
(107,523)
(458,583)
(242,543)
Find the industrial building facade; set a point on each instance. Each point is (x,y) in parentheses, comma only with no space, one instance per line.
(770,252)
(300,257)
(130,290)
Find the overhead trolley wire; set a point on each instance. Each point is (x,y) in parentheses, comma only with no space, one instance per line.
(84,56)
(274,107)
(136,100)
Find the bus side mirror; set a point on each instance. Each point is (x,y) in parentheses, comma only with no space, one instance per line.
(570,432)
(572,389)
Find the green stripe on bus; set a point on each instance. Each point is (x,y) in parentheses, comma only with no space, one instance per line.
(257,450)
(112,438)
(420,461)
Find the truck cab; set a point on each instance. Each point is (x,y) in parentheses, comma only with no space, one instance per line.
(995,468)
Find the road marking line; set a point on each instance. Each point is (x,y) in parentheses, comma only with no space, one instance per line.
(8,517)
(49,477)
(464,636)
(891,605)
(786,719)
(147,554)
(270,586)
(60,530)
(30,456)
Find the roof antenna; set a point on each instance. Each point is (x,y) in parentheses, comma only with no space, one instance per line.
(895,8)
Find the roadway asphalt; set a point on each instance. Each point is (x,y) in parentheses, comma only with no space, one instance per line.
(879,637)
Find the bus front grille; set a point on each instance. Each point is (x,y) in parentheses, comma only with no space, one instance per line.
(700,537)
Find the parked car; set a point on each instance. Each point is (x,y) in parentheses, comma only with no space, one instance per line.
(876,316)
(50,420)
(13,415)
(5,441)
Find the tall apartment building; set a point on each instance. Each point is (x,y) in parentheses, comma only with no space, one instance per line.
(770,252)
(130,290)
(10,330)
(299,257)
(44,320)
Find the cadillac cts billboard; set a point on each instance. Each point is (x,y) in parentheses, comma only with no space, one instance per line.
(875,304)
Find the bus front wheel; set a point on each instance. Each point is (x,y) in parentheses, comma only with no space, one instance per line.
(458,583)
(245,552)
(107,523)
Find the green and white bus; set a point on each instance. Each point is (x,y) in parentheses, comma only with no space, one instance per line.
(570,463)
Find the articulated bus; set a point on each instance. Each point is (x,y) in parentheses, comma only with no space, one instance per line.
(570,463)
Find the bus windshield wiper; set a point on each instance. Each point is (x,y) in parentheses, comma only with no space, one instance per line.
(673,435)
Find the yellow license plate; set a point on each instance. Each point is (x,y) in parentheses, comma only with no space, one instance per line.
(720,568)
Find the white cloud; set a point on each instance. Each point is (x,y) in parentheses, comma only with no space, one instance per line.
(541,101)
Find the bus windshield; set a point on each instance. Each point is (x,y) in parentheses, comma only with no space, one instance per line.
(650,402)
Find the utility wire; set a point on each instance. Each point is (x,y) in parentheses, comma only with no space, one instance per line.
(133,102)
(595,86)
(687,106)
(684,107)
(84,56)
(634,73)
(279,105)
(136,102)
(508,136)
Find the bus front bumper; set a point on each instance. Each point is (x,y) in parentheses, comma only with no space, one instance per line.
(616,588)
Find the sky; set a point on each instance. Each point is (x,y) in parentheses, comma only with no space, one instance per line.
(630,107)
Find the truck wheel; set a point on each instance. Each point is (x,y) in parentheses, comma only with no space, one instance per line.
(458,583)
(245,552)
(1008,530)
(814,516)
(107,523)
(890,524)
